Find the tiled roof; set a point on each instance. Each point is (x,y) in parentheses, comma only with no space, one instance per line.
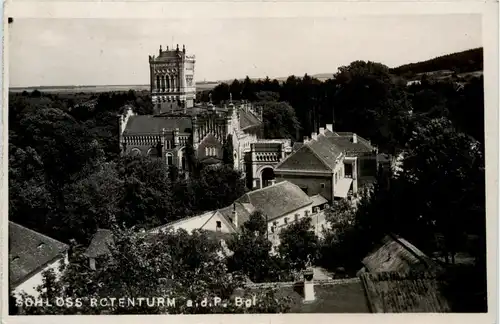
(303,159)
(243,213)
(30,252)
(248,119)
(327,151)
(343,140)
(100,243)
(296,146)
(318,154)
(346,297)
(318,200)
(390,292)
(277,200)
(397,255)
(148,124)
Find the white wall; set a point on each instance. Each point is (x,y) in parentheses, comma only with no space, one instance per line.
(281,222)
(211,225)
(30,285)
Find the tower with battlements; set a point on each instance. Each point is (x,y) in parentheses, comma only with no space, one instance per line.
(172,82)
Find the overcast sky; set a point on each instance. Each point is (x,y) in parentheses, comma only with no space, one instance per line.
(115,51)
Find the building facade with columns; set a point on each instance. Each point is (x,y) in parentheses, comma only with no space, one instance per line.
(178,121)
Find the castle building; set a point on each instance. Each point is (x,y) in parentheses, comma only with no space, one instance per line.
(172,80)
(178,121)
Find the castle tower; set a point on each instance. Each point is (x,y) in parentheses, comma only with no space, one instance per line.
(172,82)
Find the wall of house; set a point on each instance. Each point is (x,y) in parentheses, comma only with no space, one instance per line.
(29,286)
(211,225)
(281,223)
(316,184)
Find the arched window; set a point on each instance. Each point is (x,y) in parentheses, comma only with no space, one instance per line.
(136,152)
(152,152)
(170,159)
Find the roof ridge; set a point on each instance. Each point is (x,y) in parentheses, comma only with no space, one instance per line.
(66,246)
(317,155)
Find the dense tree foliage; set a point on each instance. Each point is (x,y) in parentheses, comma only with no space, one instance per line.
(299,244)
(184,267)
(252,253)
(66,179)
(466,61)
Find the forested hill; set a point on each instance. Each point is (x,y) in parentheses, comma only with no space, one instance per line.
(466,61)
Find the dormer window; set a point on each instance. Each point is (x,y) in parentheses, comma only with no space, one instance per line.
(41,245)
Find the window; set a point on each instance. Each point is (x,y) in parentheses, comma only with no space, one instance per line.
(306,213)
(219,224)
(210,151)
(297,217)
(170,159)
(275,223)
(286,220)
(322,186)
(272,229)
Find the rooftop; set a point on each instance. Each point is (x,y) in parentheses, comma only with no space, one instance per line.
(100,243)
(333,296)
(30,252)
(391,292)
(397,255)
(277,200)
(149,124)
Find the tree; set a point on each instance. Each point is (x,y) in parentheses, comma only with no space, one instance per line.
(279,120)
(298,242)
(252,255)
(445,170)
(167,264)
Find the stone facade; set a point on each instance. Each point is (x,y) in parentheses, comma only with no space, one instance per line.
(172,83)
(177,121)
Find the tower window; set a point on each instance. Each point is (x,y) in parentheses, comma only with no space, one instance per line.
(170,159)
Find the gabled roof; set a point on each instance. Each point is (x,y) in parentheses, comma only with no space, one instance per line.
(303,159)
(344,141)
(149,124)
(398,255)
(318,154)
(248,119)
(30,252)
(101,241)
(390,292)
(318,200)
(243,212)
(325,150)
(277,200)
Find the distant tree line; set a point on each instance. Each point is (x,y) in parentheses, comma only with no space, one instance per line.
(466,61)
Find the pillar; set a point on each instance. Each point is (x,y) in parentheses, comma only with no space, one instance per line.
(355,176)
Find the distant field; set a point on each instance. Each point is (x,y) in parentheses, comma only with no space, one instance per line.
(103,88)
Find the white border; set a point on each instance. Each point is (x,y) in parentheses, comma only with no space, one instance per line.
(237,9)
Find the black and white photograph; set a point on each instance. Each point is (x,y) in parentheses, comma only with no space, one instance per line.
(266,164)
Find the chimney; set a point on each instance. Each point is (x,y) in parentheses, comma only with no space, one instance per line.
(306,139)
(354,138)
(314,136)
(329,127)
(235,216)
(322,131)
